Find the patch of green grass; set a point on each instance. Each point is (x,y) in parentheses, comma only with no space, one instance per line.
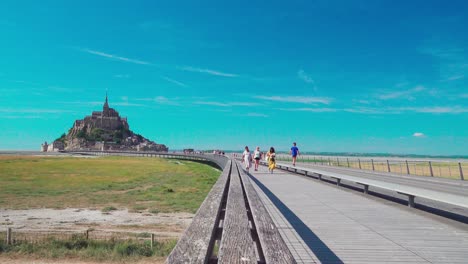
(79,247)
(154,211)
(104,182)
(108,209)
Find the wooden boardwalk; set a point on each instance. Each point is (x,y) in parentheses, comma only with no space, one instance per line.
(322,223)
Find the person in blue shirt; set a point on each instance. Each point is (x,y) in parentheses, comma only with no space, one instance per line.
(294,152)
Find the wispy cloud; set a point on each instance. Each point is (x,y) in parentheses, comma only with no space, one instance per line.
(84,103)
(419,134)
(123,76)
(211,103)
(115,57)
(296,99)
(456,77)
(257,115)
(162,100)
(434,109)
(407,94)
(400,110)
(174,81)
(227,104)
(208,71)
(305,77)
(305,109)
(23,117)
(450,60)
(33,111)
(384,110)
(126,104)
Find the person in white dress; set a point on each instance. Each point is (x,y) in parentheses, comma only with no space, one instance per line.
(247,158)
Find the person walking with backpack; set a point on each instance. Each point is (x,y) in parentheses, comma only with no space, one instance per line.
(294,152)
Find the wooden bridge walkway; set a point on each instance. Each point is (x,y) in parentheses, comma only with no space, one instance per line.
(286,217)
(323,223)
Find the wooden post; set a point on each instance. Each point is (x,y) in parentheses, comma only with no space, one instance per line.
(407,167)
(373,168)
(388,166)
(152,241)
(430,169)
(87,234)
(347,160)
(9,236)
(359,160)
(461,171)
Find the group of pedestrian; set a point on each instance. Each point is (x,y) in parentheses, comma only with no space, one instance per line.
(270,157)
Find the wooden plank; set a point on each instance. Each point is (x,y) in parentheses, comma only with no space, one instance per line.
(236,245)
(195,244)
(273,246)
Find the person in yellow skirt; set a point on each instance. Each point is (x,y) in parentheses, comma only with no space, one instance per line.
(271,159)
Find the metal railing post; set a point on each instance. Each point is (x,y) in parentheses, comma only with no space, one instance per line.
(347,160)
(338,162)
(430,169)
(373,168)
(461,171)
(407,167)
(359,160)
(388,166)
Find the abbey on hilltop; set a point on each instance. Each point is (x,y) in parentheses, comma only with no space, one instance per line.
(102,130)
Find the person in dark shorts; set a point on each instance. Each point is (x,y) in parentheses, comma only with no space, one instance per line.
(257,157)
(294,152)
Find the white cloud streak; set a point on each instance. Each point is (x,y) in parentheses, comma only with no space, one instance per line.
(123,76)
(256,115)
(174,81)
(418,134)
(296,99)
(208,71)
(33,111)
(408,94)
(305,109)
(228,104)
(162,100)
(305,77)
(456,77)
(385,110)
(115,57)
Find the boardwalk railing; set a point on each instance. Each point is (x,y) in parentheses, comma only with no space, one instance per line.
(455,169)
(231,226)
(218,160)
(409,191)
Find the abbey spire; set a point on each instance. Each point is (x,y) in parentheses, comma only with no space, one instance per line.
(105,109)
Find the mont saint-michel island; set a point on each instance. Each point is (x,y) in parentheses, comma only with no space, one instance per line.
(103,130)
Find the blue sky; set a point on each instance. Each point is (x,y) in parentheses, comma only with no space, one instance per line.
(341,76)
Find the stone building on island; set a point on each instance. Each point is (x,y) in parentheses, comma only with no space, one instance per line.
(103,130)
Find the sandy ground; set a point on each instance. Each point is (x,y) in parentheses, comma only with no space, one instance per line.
(24,260)
(163,225)
(37,221)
